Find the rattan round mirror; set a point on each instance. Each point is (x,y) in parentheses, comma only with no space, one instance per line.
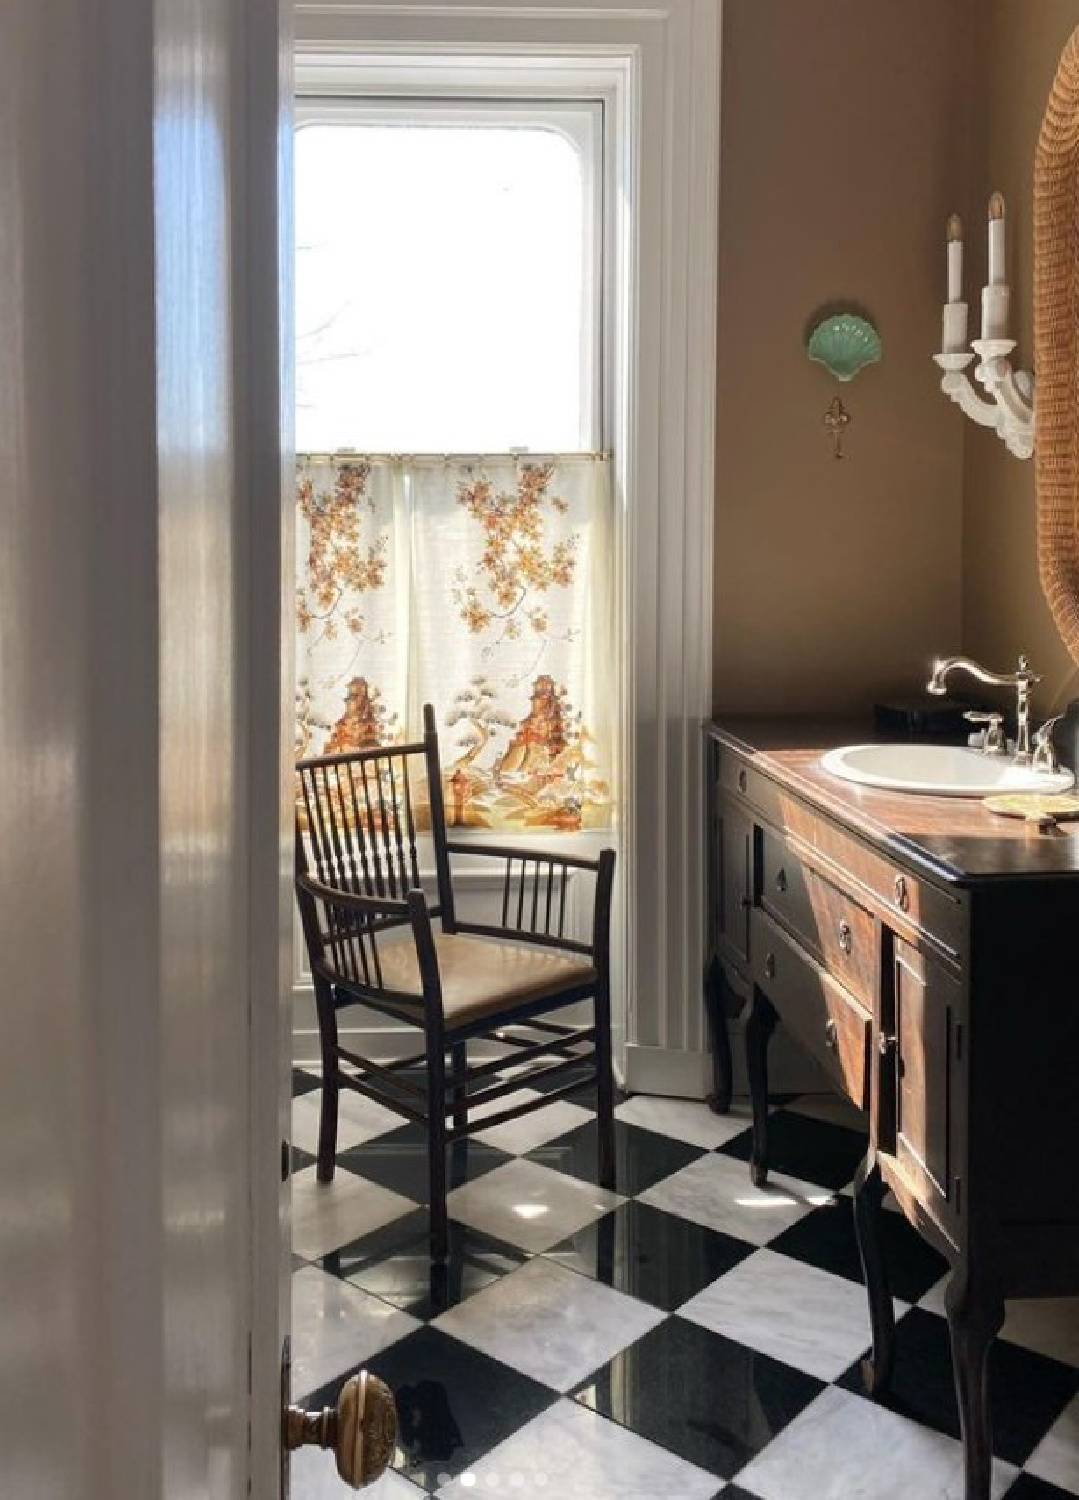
(1056,341)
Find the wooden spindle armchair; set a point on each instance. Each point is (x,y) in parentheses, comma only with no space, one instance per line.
(372,938)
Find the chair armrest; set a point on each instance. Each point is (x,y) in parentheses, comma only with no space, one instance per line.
(347,954)
(333,896)
(533,856)
(534,888)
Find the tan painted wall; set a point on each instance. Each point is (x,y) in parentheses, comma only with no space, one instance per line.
(843,143)
(1004,612)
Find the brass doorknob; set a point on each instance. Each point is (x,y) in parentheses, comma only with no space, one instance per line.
(361,1429)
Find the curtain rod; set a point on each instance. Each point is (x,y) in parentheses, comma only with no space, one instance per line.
(356,455)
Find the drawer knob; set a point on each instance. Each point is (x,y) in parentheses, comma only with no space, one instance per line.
(781,881)
(902,894)
(770,966)
(831,1035)
(743,781)
(846,938)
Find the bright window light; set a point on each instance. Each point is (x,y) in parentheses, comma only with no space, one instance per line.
(444,298)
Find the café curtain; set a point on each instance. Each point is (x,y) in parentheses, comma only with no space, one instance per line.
(483,585)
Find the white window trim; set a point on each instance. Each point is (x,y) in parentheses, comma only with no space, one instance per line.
(658,68)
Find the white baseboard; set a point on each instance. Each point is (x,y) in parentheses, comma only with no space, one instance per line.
(661,1070)
(688,1075)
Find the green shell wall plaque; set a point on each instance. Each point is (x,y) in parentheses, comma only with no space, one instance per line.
(844,343)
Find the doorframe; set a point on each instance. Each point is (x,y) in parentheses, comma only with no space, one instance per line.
(669,58)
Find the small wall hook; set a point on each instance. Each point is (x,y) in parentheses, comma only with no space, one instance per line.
(836,418)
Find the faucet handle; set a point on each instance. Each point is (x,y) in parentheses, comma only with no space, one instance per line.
(1044,757)
(993,742)
(1025,672)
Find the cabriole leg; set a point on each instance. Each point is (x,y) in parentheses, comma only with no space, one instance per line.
(868,1196)
(759,1028)
(722,1062)
(975,1317)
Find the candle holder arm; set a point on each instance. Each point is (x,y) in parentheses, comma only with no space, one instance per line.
(1008,407)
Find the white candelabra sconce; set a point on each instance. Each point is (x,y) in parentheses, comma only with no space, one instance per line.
(1008,403)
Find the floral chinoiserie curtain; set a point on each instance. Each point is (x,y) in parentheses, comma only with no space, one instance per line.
(483,586)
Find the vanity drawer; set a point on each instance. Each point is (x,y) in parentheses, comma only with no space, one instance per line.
(839,932)
(736,775)
(829,1022)
(911,905)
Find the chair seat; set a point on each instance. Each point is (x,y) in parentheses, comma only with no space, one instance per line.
(482,976)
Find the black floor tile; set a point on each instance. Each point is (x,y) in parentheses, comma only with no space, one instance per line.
(454,1404)
(814,1150)
(395,1264)
(734,1492)
(702,1396)
(825,1239)
(1028,1391)
(642,1157)
(649,1254)
(1027,1487)
(398,1161)
(304,1082)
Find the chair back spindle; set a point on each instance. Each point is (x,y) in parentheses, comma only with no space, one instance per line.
(356,831)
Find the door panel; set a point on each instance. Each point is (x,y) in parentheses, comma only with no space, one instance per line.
(928,1074)
(732,855)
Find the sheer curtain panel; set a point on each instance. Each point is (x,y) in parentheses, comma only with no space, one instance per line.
(483,585)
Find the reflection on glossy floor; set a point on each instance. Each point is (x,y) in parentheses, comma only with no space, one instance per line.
(687,1336)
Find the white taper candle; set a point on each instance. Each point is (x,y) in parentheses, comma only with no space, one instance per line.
(996,240)
(955,259)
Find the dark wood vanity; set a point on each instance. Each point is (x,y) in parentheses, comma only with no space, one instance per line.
(920,948)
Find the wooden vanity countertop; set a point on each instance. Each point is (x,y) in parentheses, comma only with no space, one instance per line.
(956,837)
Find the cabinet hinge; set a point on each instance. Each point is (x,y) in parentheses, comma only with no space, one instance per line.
(959,1195)
(959,1041)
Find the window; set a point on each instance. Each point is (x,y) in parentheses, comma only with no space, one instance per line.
(447,276)
(455,532)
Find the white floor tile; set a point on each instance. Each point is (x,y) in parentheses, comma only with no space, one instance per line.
(933,1301)
(845,1448)
(358,1120)
(523,1135)
(716,1191)
(529,1205)
(336,1326)
(1056,1458)
(686,1119)
(803,1316)
(1049,1325)
(315,1477)
(327,1215)
(550,1323)
(570,1453)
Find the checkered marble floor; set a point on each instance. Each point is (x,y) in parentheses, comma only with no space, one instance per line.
(688,1335)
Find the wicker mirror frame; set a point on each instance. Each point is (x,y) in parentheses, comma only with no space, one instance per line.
(1056,346)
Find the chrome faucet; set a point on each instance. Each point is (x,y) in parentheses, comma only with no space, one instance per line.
(1023,679)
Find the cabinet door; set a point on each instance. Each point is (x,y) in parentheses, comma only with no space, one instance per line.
(732,881)
(924,1079)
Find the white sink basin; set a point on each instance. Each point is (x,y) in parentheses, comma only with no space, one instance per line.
(942,770)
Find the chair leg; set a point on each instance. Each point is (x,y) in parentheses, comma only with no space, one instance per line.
(605,1089)
(459,1056)
(436,1146)
(327,1121)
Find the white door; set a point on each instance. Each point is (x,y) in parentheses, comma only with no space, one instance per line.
(144,846)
